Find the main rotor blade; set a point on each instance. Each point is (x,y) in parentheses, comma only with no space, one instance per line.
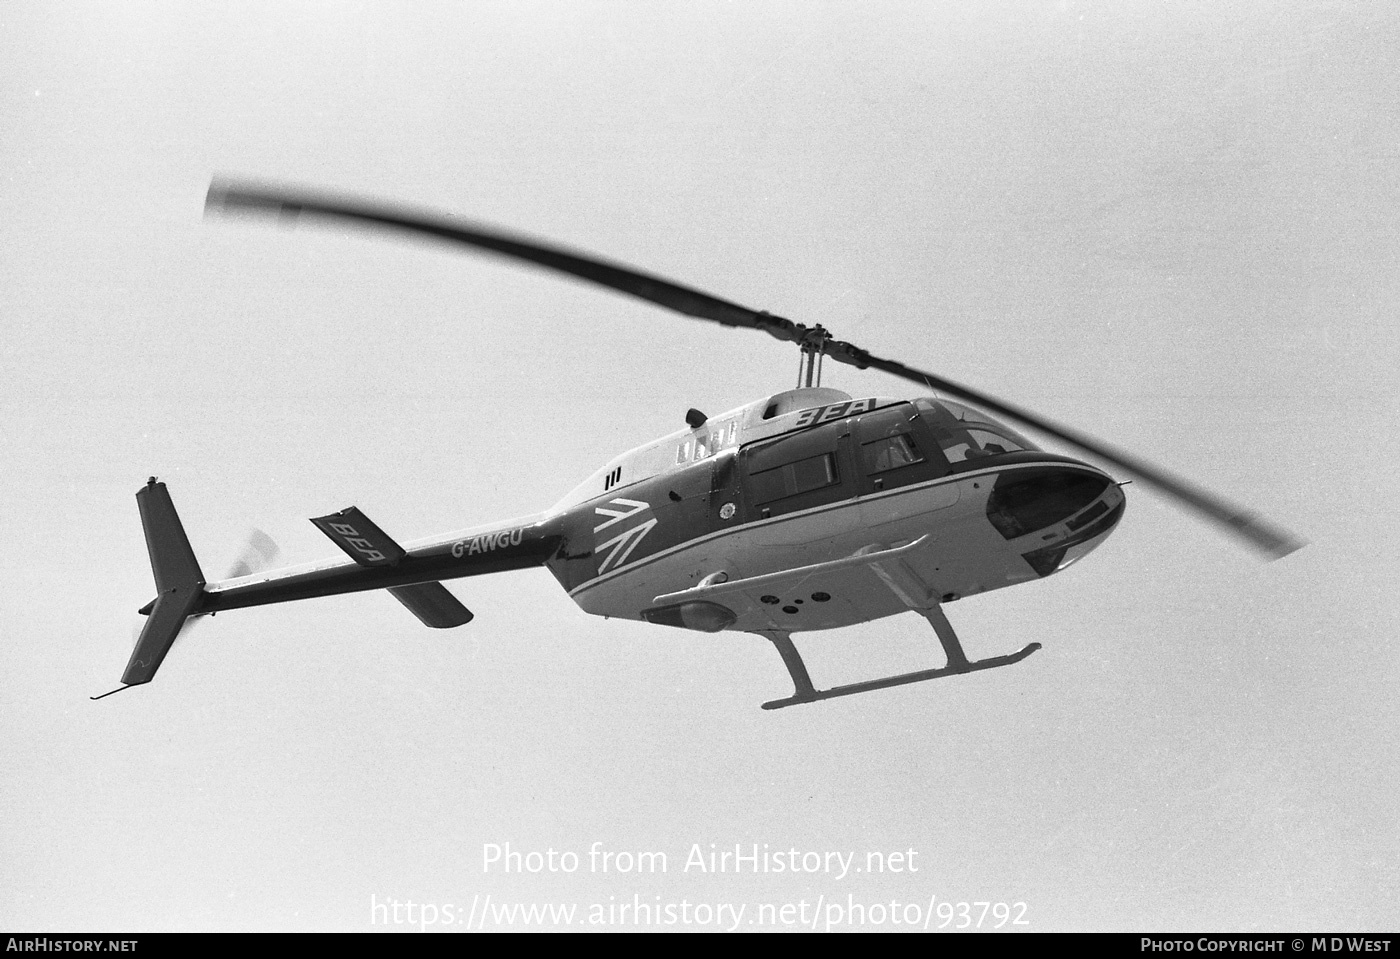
(286,205)
(1274,541)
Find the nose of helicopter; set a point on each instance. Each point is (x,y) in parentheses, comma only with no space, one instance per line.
(1054,515)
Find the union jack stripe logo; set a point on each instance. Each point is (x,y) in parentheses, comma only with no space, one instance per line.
(620,546)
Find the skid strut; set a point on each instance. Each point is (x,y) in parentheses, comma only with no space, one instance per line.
(958,663)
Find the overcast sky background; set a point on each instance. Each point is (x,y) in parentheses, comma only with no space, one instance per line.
(1170,224)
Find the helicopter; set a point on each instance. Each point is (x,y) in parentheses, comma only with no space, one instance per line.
(809,509)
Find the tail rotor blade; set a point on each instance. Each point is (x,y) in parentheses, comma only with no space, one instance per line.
(259,553)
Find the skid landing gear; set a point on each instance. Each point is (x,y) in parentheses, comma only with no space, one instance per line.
(805,692)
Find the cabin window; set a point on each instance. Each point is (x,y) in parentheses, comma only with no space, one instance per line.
(890,452)
(683,452)
(803,476)
(798,471)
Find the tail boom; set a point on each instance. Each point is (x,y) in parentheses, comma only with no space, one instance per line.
(531,545)
(412,576)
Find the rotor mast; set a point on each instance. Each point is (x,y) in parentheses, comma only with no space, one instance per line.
(809,368)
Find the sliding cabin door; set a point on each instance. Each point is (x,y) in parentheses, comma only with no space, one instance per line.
(809,472)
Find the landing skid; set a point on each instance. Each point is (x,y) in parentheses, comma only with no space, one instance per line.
(958,663)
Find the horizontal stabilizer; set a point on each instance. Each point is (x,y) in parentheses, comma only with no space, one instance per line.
(369,545)
(362,541)
(433,604)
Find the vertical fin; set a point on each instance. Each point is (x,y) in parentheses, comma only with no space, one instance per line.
(172,559)
(179,582)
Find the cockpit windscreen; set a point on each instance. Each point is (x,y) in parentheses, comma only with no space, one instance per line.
(965,433)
